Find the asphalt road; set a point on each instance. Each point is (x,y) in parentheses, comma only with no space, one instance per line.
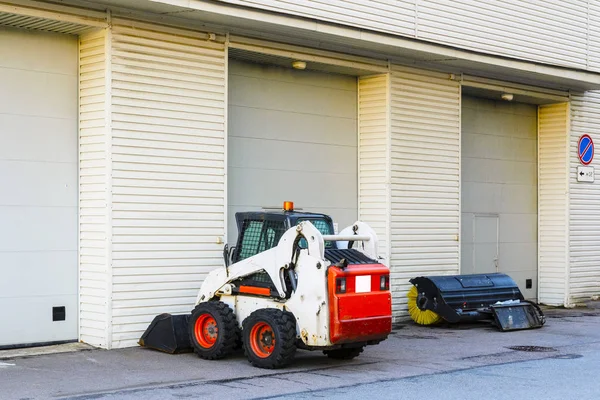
(453,362)
(562,376)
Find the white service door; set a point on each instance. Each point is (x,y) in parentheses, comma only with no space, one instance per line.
(38,186)
(292,136)
(499,190)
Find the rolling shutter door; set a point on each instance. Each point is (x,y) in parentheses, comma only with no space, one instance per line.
(168,171)
(425,178)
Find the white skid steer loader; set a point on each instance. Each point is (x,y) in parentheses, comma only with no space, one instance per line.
(288,283)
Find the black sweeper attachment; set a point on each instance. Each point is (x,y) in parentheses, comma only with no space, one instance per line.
(168,333)
(459,298)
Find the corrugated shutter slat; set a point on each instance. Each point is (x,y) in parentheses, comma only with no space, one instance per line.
(583,209)
(93,185)
(373,190)
(168,119)
(553,203)
(425,178)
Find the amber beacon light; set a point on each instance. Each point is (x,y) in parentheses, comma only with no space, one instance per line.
(288,206)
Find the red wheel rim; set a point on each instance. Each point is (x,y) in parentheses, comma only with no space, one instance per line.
(262,339)
(206,330)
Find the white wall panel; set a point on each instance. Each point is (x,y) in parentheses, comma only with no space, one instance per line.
(553,32)
(425,178)
(374,157)
(584,226)
(168,171)
(553,200)
(94,167)
(594,36)
(383,15)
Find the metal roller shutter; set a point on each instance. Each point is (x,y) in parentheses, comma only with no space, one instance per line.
(93,189)
(168,170)
(583,209)
(425,177)
(553,203)
(374,157)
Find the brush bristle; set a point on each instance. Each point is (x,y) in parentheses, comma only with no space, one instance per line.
(421,317)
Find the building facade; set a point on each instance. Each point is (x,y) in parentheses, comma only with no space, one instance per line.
(132,131)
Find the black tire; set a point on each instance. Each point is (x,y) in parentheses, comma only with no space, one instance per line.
(345,353)
(269,337)
(213,330)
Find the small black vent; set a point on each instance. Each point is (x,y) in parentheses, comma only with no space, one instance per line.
(351,255)
(59,313)
(528,284)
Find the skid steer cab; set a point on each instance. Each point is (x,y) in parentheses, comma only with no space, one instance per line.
(289,283)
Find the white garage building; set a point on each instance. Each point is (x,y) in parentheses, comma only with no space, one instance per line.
(132,131)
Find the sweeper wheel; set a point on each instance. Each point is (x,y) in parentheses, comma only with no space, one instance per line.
(421,317)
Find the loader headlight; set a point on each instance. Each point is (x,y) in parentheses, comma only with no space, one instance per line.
(340,285)
(384,282)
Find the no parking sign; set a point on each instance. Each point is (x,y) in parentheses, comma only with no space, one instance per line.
(585,152)
(585,149)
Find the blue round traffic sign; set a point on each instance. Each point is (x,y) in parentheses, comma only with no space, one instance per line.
(585,149)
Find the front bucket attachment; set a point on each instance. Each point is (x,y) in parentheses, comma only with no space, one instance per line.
(475,297)
(168,333)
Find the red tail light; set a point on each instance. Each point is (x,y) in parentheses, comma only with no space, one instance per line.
(340,285)
(384,282)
